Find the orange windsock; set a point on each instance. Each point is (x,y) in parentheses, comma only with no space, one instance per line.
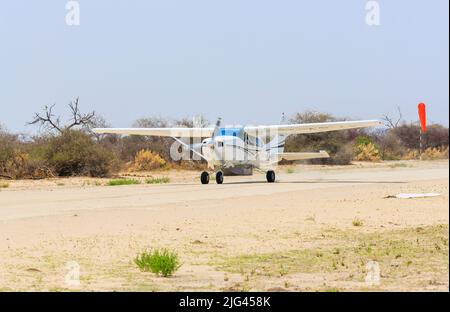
(422,117)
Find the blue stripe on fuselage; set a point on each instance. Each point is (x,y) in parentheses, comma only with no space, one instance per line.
(230,131)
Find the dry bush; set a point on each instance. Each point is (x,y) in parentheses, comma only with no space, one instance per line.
(437,136)
(411,154)
(433,153)
(146,160)
(366,150)
(19,160)
(409,135)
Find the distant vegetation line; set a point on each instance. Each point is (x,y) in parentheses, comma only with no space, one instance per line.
(72,149)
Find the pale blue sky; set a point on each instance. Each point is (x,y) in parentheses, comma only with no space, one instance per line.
(244,60)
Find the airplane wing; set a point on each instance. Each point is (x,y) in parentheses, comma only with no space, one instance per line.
(311,127)
(167,132)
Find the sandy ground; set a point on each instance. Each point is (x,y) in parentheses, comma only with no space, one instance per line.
(317,228)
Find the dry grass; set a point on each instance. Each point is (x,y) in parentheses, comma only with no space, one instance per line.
(419,254)
(158,180)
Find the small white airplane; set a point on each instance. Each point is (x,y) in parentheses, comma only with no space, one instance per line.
(239,150)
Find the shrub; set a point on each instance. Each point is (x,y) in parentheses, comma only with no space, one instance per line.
(344,156)
(411,154)
(74,153)
(123,182)
(146,160)
(409,135)
(333,141)
(435,153)
(366,150)
(7,151)
(17,161)
(159,261)
(357,222)
(390,146)
(430,153)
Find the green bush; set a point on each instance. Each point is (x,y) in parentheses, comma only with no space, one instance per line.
(363,140)
(74,153)
(159,261)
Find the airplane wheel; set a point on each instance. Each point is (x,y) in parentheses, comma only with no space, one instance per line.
(204,177)
(219,177)
(270,176)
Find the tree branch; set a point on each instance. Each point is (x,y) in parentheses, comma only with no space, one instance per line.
(47,120)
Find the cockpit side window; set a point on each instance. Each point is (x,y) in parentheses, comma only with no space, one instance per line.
(253,140)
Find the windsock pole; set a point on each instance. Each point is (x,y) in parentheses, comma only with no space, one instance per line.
(420,144)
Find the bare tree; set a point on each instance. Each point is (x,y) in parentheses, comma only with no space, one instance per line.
(50,121)
(389,121)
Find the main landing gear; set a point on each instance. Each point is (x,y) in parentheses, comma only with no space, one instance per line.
(270,176)
(204,177)
(219,177)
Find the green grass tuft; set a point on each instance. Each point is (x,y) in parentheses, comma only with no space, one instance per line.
(159,261)
(290,170)
(123,182)
(159,180)
(4,185)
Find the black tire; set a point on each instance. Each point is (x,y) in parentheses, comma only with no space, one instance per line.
(204,177)
(219,177)
(270,176)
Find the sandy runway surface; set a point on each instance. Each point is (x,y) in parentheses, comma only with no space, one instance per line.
(315,229)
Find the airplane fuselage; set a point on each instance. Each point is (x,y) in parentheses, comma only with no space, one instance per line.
(230,151)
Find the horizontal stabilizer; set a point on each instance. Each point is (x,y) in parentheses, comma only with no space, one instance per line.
(301,156)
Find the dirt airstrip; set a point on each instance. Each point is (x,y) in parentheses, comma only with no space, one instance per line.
(318,228)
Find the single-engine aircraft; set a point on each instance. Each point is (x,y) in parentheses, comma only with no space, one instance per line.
(239,150)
